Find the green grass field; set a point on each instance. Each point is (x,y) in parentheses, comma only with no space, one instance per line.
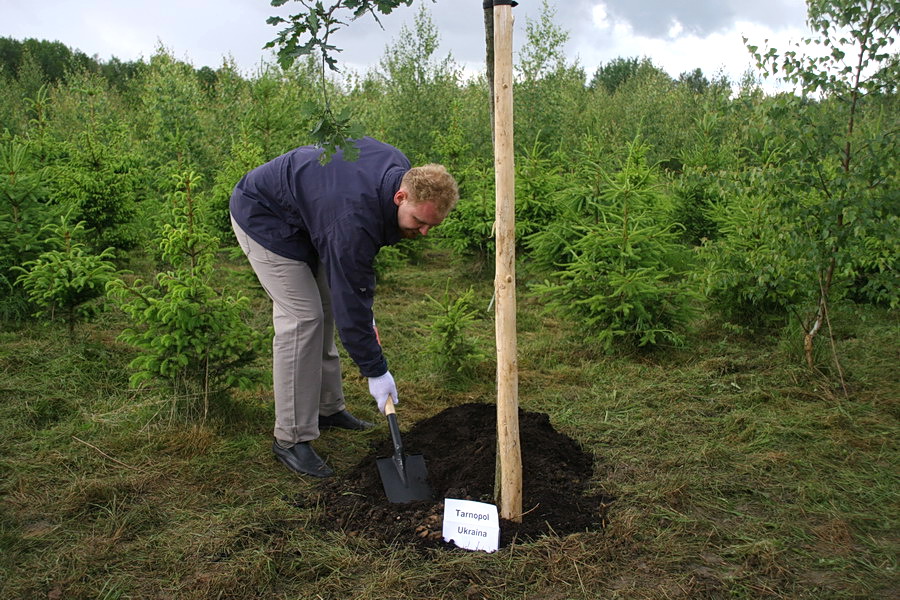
(736,472)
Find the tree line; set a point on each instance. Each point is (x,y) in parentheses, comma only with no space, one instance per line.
(643,200)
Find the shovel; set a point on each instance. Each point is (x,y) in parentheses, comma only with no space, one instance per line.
(405,478)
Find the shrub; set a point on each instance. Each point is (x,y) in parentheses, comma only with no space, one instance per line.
(95,172)
(624,280)
(468,229)
(538,181)
(62,282)
(189,334)
(245,155)
(455,352)
(23,212)
(753,272)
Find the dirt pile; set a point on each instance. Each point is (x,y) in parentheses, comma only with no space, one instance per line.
(459,445)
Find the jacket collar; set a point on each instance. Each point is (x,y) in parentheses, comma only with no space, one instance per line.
(390,183)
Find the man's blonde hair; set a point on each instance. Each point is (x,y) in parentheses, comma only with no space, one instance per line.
(432,183)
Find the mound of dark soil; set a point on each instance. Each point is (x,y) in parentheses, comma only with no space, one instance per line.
(459,446)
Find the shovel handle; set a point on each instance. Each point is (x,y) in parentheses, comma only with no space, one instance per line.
(399,457)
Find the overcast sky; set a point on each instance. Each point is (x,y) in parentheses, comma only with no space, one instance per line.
(677,35)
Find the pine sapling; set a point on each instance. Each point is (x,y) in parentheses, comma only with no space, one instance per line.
(63,281)
(190,334)
(455,351)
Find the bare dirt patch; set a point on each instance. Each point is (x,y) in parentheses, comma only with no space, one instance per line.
(459,446)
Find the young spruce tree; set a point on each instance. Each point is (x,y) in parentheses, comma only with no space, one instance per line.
(63,281)
(621,276)
(189,334)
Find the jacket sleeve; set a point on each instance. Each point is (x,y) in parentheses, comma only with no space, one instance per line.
(348,256)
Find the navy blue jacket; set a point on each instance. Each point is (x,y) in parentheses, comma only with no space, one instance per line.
(335,217)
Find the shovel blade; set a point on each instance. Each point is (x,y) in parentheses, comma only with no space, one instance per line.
(414,488)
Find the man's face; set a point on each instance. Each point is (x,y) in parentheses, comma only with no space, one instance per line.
(415,219)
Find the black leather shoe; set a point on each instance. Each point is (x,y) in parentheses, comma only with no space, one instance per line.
(344,420)
(302,459)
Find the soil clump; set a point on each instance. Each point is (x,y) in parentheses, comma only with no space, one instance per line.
(459,446)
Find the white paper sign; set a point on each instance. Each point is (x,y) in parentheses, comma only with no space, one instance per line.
(471,525)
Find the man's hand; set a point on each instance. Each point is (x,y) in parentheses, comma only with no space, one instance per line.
(381,388)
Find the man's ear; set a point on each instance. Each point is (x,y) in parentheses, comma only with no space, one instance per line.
(401,196)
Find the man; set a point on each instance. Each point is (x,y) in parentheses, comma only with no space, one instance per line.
(311,233)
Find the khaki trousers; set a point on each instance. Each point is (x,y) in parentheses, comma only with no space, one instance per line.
(305,363)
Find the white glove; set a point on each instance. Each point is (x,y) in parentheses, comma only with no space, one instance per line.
(381,388)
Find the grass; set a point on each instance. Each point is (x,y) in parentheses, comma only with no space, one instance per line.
(736,472)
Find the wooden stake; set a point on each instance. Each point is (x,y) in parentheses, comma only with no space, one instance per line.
(509,450)
(489,56)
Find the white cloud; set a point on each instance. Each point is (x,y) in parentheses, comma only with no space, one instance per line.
(122,39)
(718,52)
(703,34)
(600,17)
